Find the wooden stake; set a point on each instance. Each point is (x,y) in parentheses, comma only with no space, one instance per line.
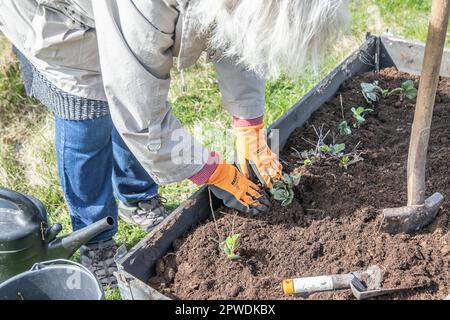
(423,116)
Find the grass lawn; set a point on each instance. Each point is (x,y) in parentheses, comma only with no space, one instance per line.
(27,160)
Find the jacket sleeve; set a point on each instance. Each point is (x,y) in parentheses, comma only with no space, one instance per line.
(135,44)
(243,91)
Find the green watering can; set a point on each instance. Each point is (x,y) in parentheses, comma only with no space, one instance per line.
(26,237)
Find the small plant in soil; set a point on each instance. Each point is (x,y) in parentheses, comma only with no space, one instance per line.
(283,190)
(344,129)
(229,246)
(345,161)
(359,116)
(334,149)
(323,153)
(372,91)
(407,90)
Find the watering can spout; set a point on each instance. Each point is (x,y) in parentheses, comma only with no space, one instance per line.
(65,247)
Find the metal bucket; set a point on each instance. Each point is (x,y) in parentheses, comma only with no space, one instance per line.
(53,280)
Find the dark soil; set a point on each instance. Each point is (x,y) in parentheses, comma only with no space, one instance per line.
(332,226)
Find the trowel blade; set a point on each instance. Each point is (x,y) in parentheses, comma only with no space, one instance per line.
(412,218)
(377,293)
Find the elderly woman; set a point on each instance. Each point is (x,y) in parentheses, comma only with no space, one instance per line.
(123,52)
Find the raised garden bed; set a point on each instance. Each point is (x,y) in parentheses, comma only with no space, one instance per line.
(332,225)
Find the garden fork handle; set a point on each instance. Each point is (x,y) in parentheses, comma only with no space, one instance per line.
(423,116)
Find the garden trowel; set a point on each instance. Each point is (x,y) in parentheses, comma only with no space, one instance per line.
(310,285)
(364,284)
(362,292)
(421,211)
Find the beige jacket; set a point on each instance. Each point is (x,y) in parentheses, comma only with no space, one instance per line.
(122,51)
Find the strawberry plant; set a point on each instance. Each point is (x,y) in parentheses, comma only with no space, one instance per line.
(230,246)
(321,151)
(333,149)
(283,190)
(344,129)
(359,115)
(372,91)
(345,161)
(407,90)
(324,153)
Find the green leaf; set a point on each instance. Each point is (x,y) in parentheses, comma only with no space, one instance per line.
(409,89)
(231,240)
(368,87)
(283,191)
(358,115)
(360,110)
(288,179)
(344,129)
(296,179)
(345,160)
(307,162)
(370,97)
(360,119)
(280,194)
(227,250)
(411,95)
(325,148)
(289,199)
(408,85)
(229,246)
(278,184)
(369,91)
(338,148)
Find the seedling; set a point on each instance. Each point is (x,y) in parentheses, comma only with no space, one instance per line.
(337,148)
(230,246)
(325,152)
(407,90)
(344,129)
(333,149)
(328,153)
(359,115)
(321,151)
(283,190)
(372,91)
(345,160)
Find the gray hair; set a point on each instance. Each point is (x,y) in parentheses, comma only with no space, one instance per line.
(271,37)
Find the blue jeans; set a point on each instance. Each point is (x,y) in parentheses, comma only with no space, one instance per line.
(95,166)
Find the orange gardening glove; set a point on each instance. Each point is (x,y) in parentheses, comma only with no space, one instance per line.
(252,150)
(236,191)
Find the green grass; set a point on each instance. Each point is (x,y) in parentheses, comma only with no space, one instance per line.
(27,160)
